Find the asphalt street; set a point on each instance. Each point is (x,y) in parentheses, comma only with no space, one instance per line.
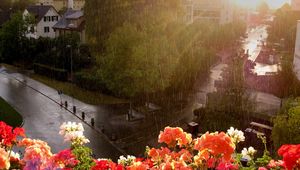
(43,117)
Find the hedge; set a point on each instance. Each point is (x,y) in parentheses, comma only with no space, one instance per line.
(89,81)
(55,73)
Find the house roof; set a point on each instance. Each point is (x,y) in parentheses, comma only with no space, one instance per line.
(64,22)
(75,15)
(39,11)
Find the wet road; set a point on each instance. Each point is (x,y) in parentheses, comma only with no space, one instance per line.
(264,102)
(42,116)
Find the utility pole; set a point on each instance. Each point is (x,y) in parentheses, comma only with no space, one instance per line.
(71,74)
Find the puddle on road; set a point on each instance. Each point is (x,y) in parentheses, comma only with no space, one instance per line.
(265,69)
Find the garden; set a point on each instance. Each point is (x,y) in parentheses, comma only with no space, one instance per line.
(178,150)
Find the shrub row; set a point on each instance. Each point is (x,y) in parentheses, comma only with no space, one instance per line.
(55,73)
(89,81)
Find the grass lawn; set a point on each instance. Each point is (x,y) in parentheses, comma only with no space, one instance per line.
(9,115)
(90,97)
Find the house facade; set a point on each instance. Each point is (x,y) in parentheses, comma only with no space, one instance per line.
(71,22)
(219,11)
(45,18)
(61,4)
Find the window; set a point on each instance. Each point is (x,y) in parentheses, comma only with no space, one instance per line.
(54,18)
(46,29)
(45,19)
(49,18)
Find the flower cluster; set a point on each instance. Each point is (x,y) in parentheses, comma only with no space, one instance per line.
(291,155)
(65,158)
(179,152)
(8,135)
(248,154)
(173,136)
(236,135)
(73,133)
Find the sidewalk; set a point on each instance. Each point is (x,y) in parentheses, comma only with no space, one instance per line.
(40,106)
(110,120)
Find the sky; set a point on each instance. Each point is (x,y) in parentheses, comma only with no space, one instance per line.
(276,3)
(272,3)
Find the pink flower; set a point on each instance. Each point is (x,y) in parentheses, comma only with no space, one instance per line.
(65,158)
(262,168)
(227,166)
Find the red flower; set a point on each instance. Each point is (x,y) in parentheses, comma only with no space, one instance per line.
(217,144)
(9,135)
(104,164)
(291,155)
(66,158)
(227,166)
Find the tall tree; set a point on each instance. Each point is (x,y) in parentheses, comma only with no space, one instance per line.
(12,37)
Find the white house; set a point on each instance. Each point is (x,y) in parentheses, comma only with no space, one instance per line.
(46,17)
(220,11)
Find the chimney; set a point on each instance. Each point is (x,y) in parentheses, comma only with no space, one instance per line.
(70,4)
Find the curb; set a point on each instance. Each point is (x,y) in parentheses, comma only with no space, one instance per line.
(95,129)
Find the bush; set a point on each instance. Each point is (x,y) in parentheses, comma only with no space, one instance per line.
(55,73)
(89,81)
(287,123)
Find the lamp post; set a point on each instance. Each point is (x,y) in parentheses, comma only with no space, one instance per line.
(71,74)
(69,46)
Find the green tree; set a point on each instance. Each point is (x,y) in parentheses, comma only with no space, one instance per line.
(286,124)
(136,63)
(12,37)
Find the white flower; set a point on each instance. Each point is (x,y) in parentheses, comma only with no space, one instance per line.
(237,136)
(15,155)
(126,161)
(248,153)
(73,132)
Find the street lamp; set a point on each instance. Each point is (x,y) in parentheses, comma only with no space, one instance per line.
(70,46)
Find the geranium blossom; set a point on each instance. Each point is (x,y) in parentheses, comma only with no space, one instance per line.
(8,135)
(217,144)
(73,132)
(210,151)
(37,152)
(276,164)
(291,155)
(65,158)
(248,153)
(236,135)
(126,161)
(174,136)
